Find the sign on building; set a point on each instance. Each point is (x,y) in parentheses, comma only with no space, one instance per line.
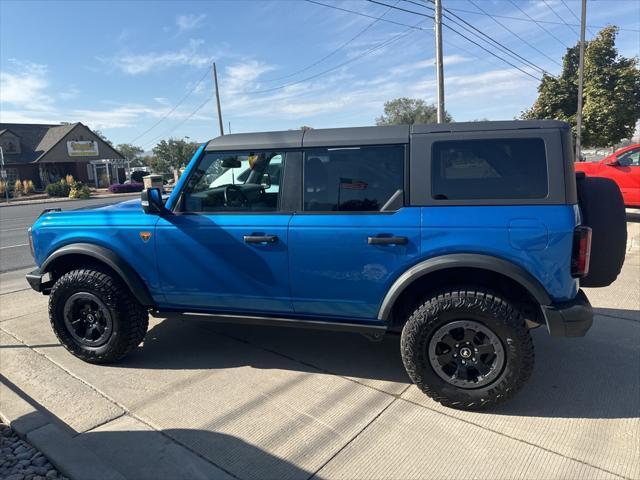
(85,148)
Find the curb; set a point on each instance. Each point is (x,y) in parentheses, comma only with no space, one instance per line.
(51,200)
(56,442)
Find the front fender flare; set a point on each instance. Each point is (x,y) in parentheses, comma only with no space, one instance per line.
(128,275)
(462,260)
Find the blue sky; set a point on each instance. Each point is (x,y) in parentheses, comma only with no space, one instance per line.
(122,66)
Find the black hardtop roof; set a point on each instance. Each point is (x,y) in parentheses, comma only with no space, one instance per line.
(353,136)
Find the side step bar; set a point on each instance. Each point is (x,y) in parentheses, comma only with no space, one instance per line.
(376,330)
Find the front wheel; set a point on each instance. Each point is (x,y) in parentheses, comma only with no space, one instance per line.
(95,316)
(467,348)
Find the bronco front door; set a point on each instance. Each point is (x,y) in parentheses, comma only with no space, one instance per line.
(225,247)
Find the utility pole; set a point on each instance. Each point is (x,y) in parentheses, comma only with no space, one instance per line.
(583,22)
(215,82)
(439,66)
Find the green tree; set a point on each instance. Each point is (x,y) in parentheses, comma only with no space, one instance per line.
(133,153)
(103,137)
(402,111)
(155,164)
(611,94)
(173,154)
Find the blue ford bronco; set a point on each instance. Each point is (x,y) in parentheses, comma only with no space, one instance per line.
(459,237)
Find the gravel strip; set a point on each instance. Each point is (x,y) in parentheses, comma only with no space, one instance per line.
(20,461)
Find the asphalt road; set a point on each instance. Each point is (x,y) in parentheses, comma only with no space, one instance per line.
(15,220)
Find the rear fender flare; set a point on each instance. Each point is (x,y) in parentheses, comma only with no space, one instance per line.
(128,275)
(462,260)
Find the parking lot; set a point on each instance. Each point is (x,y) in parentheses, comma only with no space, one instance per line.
(201,400)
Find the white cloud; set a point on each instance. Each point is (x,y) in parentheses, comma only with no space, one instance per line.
(27,87)
(190,22)
(141,63)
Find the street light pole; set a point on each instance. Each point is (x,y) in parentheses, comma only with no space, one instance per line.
(4,175)
(583,21)
(439,67)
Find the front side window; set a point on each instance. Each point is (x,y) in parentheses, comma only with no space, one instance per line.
(353,179)
(234,181)
(630,158)
(489,169)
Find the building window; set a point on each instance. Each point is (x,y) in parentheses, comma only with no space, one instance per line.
(10,146)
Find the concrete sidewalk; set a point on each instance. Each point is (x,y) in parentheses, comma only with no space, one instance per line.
(199,400)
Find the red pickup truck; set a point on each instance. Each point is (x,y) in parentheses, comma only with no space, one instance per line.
(623,167)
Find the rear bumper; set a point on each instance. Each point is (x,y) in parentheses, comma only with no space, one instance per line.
(569,319)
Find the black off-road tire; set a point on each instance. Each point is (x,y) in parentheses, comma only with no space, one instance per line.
(491,311)
(129,318)
(602,208)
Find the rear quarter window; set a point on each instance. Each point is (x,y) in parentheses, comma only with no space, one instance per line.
(489,169)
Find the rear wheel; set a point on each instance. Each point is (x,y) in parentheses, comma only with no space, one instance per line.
(95,316)
(467,348)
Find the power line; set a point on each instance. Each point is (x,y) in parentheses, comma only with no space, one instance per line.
(173,109)
(463,36)
(515,34)
(188,117)
(561,19)
(340,65)
(503,47)
(401,9)
(537,23)
(575,16)
(510,17)
(490,52)
(365,15)
(348,42)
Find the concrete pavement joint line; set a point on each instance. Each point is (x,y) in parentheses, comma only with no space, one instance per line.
(126,411)
(324,464)
(19,316)
(102,424)
(15,246)
(399,396)
(548,450)
(618,318)
(14,291)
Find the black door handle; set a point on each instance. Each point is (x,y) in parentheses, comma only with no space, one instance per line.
(260,238)
(387,240)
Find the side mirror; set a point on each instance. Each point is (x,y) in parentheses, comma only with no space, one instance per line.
(266,181)
(613,163)
(152,201)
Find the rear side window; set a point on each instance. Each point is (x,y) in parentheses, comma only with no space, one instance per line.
(366,179)
(489,169)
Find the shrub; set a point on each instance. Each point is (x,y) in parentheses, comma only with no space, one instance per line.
(17,188)
(136,177)
(3,187)
(27,186)
(126,187)
(79,190)
(59,189)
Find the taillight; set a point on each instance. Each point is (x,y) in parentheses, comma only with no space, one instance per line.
(581,251)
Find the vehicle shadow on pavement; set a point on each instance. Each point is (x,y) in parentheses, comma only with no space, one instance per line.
(591,377)
(144,453)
